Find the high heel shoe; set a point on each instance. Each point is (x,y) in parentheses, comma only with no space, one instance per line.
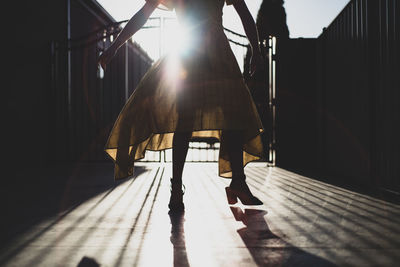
(241,190)
(176,199)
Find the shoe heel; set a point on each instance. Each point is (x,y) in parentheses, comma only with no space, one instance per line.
(232,199)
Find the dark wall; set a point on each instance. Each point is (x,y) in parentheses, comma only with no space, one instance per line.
(41,148)
(87,17)
(360,92)
(348,103)
(338,109)
(38,118)
(28,79)
(296,105)
(72,94)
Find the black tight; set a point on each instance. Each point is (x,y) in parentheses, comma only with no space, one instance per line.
(180,146)
(234,142)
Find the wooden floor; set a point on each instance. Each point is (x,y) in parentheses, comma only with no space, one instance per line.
(303,222)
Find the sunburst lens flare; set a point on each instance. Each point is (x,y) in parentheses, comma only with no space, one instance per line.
(178,39)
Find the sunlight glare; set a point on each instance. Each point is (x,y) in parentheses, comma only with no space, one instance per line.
(175,72)
(177,38)
(177,44)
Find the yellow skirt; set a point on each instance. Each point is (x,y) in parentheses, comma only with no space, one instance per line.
(201,91)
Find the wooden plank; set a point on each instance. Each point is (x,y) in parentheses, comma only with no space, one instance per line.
(302,222)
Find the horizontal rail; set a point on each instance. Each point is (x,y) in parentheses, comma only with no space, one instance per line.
(104,32)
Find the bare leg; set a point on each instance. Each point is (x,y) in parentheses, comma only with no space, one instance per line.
(234,141)
(180,145)
(238,187)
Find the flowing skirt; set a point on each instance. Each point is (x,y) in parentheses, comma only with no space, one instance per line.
(200,90)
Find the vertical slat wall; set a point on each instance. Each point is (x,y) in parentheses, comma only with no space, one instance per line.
(358,70)
(387,112)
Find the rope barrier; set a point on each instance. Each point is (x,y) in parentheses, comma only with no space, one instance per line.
(235,33)
(86,39)
(124,21)
(236,43)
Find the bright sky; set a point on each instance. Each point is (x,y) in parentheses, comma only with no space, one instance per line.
(305,18)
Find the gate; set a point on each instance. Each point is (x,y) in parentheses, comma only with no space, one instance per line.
(262,86)
(270,47)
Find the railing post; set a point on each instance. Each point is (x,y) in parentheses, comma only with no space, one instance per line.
(271,52)
(69,81)
(126,72)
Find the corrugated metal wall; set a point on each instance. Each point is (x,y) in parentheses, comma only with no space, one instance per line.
(358,80)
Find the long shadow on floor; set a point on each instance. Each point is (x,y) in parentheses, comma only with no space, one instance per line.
(268,249)
(178,238)
(32,197)
(390,195)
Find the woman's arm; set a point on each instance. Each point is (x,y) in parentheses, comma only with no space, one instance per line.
(133,25)
(251,32)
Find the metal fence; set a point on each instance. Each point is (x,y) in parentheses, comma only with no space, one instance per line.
(359,81)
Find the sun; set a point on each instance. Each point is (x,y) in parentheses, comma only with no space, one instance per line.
(177,39)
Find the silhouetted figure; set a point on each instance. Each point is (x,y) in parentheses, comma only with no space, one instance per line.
(196,91)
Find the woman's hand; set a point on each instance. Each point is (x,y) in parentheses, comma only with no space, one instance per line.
(106,57)
(133,25)
(256,61)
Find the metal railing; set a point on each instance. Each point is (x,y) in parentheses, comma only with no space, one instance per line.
(88,100)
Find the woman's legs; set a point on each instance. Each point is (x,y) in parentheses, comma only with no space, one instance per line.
(180,146)
(238,187)
(234,143)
